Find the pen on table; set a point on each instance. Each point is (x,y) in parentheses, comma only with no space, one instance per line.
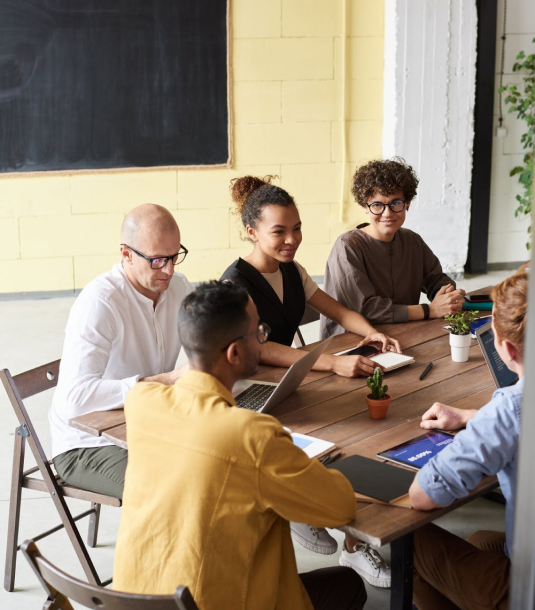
(332,458)
(426,370)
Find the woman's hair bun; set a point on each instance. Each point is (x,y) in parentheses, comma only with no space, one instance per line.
(241,188)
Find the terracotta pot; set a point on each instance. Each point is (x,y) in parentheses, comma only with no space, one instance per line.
(460,347)
(378,408)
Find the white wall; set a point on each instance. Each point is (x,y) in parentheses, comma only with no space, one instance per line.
(507,234)
(429,80)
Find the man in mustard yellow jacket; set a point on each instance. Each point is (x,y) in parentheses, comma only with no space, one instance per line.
(210,488)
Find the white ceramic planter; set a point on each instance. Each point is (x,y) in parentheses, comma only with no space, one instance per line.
(460,346)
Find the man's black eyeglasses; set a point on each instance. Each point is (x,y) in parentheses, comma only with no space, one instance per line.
(159,262)
(377,208)
(261,334)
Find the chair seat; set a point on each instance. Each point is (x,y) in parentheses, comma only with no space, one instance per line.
(71,492)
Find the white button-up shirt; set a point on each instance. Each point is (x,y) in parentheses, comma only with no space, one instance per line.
(114,336)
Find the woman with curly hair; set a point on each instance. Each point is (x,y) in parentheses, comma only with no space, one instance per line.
(380,269)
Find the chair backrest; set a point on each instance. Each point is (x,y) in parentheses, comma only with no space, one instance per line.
(25,385)
(310,315)
(37,380)
(61,588)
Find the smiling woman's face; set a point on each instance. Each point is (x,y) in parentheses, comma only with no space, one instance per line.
(384,226)
(278,232)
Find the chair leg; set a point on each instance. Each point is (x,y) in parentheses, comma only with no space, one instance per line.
(14,513)
(94,521)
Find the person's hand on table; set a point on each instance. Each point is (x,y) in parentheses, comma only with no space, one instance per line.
(444,417)
(353,366)
(447,301)
(384,342)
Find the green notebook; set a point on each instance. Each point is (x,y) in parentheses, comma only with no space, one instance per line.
(483,306)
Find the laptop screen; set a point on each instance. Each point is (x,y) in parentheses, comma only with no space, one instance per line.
(502,376)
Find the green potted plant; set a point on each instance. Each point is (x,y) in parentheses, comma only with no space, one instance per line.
(460,340)
(378,400)
(521,99)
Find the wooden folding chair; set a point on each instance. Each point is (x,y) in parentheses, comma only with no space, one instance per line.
(61,587)
(310,315)
(19,388)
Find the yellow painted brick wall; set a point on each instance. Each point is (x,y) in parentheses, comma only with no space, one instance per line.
(58,232)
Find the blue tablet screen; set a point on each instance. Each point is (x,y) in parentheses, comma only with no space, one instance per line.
(418,451)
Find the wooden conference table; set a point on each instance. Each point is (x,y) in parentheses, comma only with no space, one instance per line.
(333,408)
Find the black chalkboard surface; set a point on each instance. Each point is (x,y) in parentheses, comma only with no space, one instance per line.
(101,84)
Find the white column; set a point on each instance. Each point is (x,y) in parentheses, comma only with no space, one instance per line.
(429,94)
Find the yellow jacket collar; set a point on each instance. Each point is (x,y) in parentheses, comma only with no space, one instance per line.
(206,383)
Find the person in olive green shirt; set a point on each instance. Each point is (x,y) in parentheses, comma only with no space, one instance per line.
(210,488)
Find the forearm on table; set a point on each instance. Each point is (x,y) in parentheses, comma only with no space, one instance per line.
(276,354)
(419,499)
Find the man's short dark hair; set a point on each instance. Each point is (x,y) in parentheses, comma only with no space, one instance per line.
(210,317)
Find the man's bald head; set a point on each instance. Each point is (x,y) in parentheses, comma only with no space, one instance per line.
(146,223)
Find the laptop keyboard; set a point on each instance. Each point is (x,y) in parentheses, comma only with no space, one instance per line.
(255,396)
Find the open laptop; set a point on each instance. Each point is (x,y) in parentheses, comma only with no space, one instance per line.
(262,396)
(502,376)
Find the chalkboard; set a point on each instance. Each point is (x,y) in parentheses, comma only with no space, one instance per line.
(102,84)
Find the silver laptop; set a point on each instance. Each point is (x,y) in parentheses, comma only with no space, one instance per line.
(262,396)
(502,376)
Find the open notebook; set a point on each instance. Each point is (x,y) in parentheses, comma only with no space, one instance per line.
(388,360)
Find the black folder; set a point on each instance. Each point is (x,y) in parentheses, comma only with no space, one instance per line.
(375,479)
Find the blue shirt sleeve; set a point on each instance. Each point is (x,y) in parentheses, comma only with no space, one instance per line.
(485,447)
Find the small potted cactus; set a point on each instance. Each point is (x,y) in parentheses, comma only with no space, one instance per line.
(378,400)
(460,340)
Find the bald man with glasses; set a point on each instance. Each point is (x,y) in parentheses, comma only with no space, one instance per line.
(122,330)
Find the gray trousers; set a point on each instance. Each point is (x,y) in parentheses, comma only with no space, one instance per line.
(98,469)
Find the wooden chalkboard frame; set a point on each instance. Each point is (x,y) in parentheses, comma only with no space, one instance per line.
(156,167)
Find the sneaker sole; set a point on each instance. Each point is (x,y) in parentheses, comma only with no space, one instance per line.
(381,583)
(321,550)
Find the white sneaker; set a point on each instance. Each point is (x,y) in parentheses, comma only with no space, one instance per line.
(367,562)
(313,538)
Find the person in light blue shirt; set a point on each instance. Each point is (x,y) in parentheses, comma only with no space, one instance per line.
(471,574)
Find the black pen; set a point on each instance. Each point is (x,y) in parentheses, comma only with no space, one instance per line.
(426,370)
(332,459)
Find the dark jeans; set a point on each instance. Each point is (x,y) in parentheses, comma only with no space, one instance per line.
(335,588)
(98,469)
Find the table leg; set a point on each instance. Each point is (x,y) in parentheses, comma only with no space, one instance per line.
(401,560)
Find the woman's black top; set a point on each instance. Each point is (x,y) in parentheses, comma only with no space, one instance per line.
(283,318)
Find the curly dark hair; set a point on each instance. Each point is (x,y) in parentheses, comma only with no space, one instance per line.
(384,177)
(251,195)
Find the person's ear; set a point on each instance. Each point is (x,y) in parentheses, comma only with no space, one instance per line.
(510,350)
(407,206)
(233,354)
(251,233)
(126,254)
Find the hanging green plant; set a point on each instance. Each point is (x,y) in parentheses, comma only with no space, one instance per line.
(521,99)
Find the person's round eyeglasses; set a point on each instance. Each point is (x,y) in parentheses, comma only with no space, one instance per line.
(377,208)
(159,262)
(261,334)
